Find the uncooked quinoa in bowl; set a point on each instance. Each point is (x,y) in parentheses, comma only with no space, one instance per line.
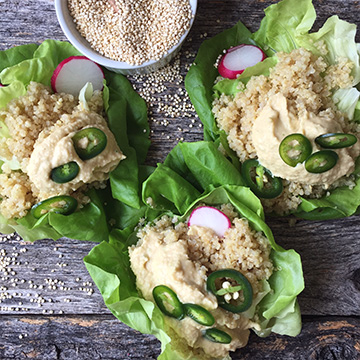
(127,36)
(283,105)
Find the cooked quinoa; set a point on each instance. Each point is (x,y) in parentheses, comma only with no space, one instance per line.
(242,248)
(133,31)
(27,118)
(306,81)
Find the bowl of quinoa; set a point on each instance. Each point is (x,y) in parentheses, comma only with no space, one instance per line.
(127,37)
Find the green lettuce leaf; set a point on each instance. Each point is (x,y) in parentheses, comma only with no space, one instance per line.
(232,86)
(202,74)
(175,188)
(339,38)
(41,65)
(11,91)
(283,23)
(286,26)
(16,55)
(127,117)
(346,100)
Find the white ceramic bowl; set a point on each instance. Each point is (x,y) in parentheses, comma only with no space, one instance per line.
(69,28)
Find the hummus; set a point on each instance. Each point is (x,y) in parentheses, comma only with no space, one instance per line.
(181,258)
(54,147)
(275,121)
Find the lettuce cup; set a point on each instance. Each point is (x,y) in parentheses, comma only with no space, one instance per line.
(290,117)
(59,149)
(201,269)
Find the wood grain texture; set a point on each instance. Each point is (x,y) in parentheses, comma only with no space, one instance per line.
(103,337)
(330,253)
(51,298)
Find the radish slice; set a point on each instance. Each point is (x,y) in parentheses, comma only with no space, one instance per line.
(211,218)
(238,58)
(71,75)
(113,5)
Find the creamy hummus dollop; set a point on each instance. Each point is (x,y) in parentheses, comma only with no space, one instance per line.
(276,121)
(54,147)
(181,257)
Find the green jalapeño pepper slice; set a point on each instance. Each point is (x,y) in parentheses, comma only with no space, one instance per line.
(61,204)
(260,180)
(336,140)
(321,161)
(239,290)
(217,335)
(89,142)
(199,314)
(168,302)
(295,149)
(65,173)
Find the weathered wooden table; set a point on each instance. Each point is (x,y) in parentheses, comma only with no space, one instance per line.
(50,309)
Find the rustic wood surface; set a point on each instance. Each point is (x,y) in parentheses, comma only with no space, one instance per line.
(50,309)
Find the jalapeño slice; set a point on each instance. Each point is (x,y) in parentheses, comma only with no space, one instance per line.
(336,140)
(89,142)
(321,161)
(65,173)
(199,314)
(168,302)
(61,204)
(217,335)
(295,149)
(239,283)
(260,180)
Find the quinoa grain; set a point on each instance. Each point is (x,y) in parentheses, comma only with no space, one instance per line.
(133,31)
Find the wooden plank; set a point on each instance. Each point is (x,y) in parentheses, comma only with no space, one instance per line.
(103,337)
(330,252)
(47,277)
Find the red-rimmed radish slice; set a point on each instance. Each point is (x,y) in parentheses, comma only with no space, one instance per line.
(210,217)
(113,5)
(73,73)
(238,58)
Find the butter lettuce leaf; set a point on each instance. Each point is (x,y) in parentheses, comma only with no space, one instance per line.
(283,23)
(11,91)
(339,37)
(40,66)
(233,86)
(16,55)
(127,117)
(202,74)
(175,188)
(287,25)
